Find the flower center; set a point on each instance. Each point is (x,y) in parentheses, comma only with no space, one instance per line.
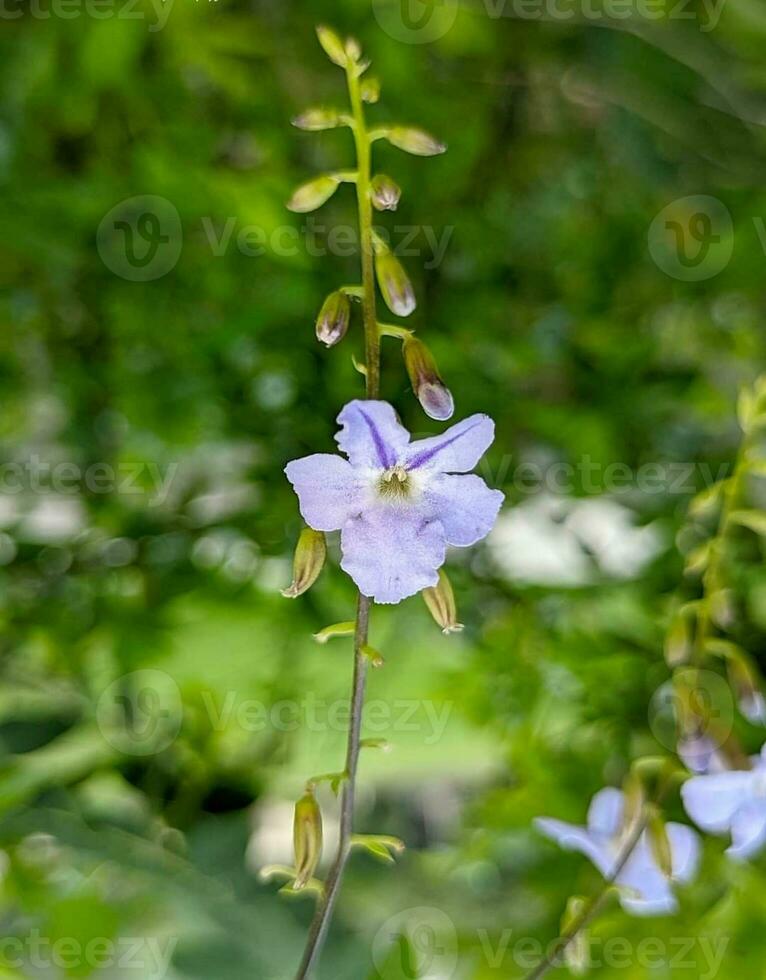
(395,483)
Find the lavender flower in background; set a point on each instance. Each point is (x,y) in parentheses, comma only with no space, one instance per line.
(731,802)
(642,886)
(397,503)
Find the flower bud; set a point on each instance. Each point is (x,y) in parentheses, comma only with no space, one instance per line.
(333,46)
(660,843)
(415,141)
(440,600)
(312,195)
(317,118)
(385,193)
(394,284)
(370,90)
(744,681)
(353,49)
(310,554)
(307,839)
(332,322)
(434,396)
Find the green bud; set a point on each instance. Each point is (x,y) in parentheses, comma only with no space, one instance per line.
(333,46)
(332,322)
(678,639)
(659,843)
(353,49)
(307,839)
(440,600)
(434,396)
(394,284)
(313,194)
(415,141)
(310,554)
(385,193)
(370,90)
(317,118)
(577,950)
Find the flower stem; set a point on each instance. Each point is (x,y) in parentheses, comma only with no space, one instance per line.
(324,912)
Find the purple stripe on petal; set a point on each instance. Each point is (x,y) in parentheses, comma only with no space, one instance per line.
(426,455)
(386,458)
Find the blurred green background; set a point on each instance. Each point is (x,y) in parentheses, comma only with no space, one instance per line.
(161,705)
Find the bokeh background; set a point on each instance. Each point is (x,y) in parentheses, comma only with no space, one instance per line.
(161,705)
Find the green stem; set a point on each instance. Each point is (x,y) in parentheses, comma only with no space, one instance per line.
(322,918)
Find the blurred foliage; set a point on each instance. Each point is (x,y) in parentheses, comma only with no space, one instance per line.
(566,138)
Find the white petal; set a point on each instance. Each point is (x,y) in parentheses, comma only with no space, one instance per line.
(712,800)
(748,831)
(605,812)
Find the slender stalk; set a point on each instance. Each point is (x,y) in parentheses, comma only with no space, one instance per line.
(323,916)
(591,910)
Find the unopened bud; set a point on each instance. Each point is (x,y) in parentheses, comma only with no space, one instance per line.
(440,600)
(370,90)
(332,322)
(434,396)
(394,284)
(317,118)
(333,46)
(313,194)
(353,49)
(414,140)
(744,682)
(310,554)
(660,843)
(307,839)
(577,949)
(385,193)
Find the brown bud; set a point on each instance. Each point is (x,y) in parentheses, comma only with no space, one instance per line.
(307,839)
(310,554)
(434,396)
(394,284)
(385,193)
(440,600)
(332,322)
(313,194)
(317,118)
(415,141)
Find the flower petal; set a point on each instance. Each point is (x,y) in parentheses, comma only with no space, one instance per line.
(684,851)
(574,838)
(392,552)
(371,434)
(327,488)
(713,800)
(748,830)
(465,505)
(605,812)
(457,450)
(644,889)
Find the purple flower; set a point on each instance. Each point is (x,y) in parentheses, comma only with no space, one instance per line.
(397,503)
(731,802)
(643,888)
